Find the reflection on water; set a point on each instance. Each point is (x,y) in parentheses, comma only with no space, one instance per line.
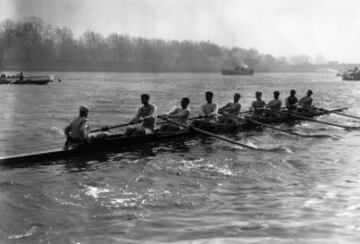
(198,190)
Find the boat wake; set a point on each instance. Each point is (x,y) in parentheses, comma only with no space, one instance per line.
(318,136)
(57,130)
(268,148)
(94,192)
(278,148)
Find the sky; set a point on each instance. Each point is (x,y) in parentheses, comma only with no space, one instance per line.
(330,28)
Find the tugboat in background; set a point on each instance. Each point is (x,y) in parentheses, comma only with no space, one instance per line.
(20,79)
(238,71)
(351,74)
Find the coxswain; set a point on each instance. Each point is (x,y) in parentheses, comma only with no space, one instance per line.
(78,130)
(179,115)
(147,114)
(274,105)
(258,105)
(210,109)
(291,101)
(232,109)
(306,102)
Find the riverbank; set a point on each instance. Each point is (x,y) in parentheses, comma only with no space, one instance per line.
(105,66)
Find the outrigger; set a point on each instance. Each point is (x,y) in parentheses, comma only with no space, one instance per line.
(121,142)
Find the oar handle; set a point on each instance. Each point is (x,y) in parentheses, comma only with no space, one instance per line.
(106,128)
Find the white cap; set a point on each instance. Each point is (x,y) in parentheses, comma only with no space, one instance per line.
(84,109)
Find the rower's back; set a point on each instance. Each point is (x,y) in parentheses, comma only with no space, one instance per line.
(78,129)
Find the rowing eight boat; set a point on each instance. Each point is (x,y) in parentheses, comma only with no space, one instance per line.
(120,141)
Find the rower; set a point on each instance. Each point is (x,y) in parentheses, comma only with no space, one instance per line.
(274,105)
(233,109)
(21,76)
(78,130)
(209,109)
(258,105)
(148,115)
(306,102)
(179,115)
(291,101)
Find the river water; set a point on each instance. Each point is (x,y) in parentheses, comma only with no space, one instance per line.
(194,191)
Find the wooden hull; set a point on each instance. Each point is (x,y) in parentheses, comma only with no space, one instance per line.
(237,72)
(112,143)
(247,125)
(31,80)
(120,142)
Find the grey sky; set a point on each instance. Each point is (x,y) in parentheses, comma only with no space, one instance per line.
(277,27)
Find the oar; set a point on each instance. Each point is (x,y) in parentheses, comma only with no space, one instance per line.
(286,131)
(110,127)
(340,113)
(123,125)
(317,121)
(192,118)
(243,112)
(210,134)
(275,128)
(13,82)
(334,110)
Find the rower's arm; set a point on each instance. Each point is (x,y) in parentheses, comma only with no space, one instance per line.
(84,130)
(271,104)
(287,102)
(136,117)
(173,112)
(67,130)
(252,107)
(215,111)
(224,108)
(179,114)
(152,113)
(202,110)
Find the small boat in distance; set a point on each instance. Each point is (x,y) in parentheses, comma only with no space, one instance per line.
(351,74)
(27,80)
(238,71)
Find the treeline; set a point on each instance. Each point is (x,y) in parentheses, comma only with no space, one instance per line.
(32,45)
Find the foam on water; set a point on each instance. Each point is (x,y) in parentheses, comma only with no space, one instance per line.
(95,191)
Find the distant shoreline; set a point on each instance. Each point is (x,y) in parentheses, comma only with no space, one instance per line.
(33,45)
(152,68)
